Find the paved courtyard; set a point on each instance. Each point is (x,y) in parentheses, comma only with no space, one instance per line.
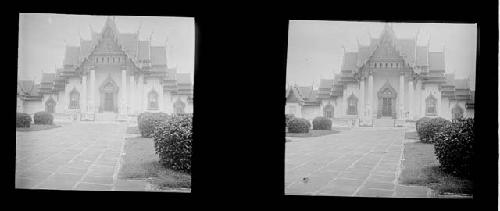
(76,156)
(359,162)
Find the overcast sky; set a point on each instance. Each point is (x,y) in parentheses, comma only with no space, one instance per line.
(42,38)
(315,47)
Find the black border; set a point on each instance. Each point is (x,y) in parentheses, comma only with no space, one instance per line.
(240,69)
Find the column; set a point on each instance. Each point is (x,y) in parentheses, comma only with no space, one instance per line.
(370,96)
(362,99)
(418,103)
(92,92)
(410,99)
(83,97)
(161,104)
(123,101)
(132,98)
(140,91)
(401,95)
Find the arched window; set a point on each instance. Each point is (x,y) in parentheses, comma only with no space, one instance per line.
(352,105)
(74,99)
(431,106)
(50,105)
(328,111)
(179,107)
(152,100)
(457,112)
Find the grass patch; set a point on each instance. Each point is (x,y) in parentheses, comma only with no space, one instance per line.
(36,127)
(312,133)
(411,135)
(141,162)
(421,167)
(133,130)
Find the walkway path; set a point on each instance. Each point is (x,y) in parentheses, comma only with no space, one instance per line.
(76,156)
(359,162)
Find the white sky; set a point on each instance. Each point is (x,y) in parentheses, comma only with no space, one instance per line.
(42,39)
(315,47)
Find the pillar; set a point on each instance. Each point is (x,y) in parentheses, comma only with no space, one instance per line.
(92,100)
(140,93)
(161,103)
(123,101)
(132,99)
(410,99)
(362,99)
(370,97)
(83,97)
(401,95)
(418,103)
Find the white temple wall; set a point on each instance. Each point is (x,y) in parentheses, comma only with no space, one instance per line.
(310,112)
(428,90)
(101,74)
(31,107)
(351,89)
(379,79)
(292,108)
(150,85)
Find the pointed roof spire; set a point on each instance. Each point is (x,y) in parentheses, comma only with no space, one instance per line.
(357,42)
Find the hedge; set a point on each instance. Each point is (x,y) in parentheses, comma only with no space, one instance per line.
(288,117)
(420,121)
(298,125)
(322,123)
(23,120)
(43,118)
(173,142)
(428,129)
(146,122)
(454,147)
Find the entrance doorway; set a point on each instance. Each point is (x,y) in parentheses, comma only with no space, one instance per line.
(386,106)
(108,102)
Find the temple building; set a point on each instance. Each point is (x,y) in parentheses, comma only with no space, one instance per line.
(386,83)
(113,76)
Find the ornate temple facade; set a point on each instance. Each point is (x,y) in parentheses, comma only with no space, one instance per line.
(388,82)
(112,76)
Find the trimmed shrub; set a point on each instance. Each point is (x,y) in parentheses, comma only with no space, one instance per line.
(298,125)
(43,118)
(420,121)
(322,123)
(173,141)
(23,120)
(288,117)
(428,129)
(146,122)
(454,148)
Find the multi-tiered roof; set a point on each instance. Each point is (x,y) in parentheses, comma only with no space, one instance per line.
(419,62)
(142,57)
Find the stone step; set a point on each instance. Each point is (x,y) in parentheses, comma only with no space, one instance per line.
(106,116)
(383,122)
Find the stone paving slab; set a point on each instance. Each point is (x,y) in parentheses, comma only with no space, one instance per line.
(76,156)
(360,162)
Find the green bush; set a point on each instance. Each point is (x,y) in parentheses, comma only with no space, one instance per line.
(146,122)
(420,121)
(428,129)
(288,117)
(322,123)
(23,120)
(173,142)
(454,147)
(43,118)
(298,125)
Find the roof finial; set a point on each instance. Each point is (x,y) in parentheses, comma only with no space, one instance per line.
(139,28)
(429,41)
(357,41)
(151,35)
(343,47)
(416,35)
